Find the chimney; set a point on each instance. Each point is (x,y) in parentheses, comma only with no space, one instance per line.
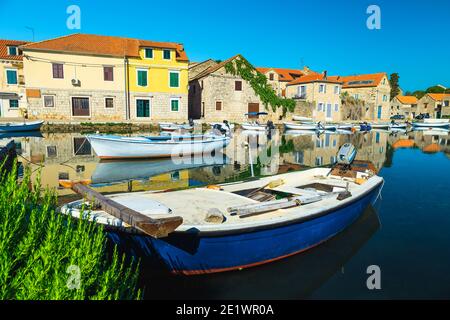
(305,70)
(325,75)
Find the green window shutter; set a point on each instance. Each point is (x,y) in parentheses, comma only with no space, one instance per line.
(149,53)
(11,76)
(142,78)
(174,79)
(166,54)
(174,105)
(13,104)
(142,108)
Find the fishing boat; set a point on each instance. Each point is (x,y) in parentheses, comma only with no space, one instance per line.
(120,147)
(21,134)
(110,172)
(326,126)
(169,126)
(20,126)
(396,125)
(300,126)
(237,225)
(432,123)
(302,119)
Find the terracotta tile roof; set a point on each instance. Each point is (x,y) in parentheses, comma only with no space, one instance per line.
(407,99)
(315,77)
(216,67)
(286,74)
(403,143)
(363,80)
(103,45)
(4,44)
(438,96)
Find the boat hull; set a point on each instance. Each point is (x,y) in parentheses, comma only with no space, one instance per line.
(192,253)
(107,148)
(17,127)
(301,126)
(431,124)
(254,127)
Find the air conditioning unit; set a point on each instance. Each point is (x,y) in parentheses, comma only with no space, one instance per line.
(76,82)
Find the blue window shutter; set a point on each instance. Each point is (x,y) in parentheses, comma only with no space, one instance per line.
(11,76)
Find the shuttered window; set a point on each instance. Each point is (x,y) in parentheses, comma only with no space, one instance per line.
(58,71)
(142,108)
(11,76)
(238,85)
(166,54)
(174,81)
(142,78)
(218,105)
(13,104)
(108,73)
(149,53)
(174,104)
(49,101)
(109,102)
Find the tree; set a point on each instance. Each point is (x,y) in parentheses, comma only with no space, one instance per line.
(395,88)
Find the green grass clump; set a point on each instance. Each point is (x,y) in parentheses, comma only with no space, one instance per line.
(38,246)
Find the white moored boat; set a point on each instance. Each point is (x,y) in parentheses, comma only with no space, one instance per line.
(345,126)
(168,126)
(300,118)
(380,125)
(432,123)
(300,126)
(397,125)
(253,126)
(119,147)
(20,126)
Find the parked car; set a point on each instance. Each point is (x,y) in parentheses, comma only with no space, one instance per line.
(398,117)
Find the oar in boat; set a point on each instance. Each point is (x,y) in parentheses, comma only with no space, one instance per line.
(156,228)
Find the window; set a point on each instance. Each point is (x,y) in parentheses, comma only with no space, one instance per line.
(174,79)
(174,105)
(238,86)
(52,152)
(148,53)
(446,103)
(336,107)
(12,51)
(58,71)
(142,78)
(81,147)
(109,102)
(166,54)
(320,106)
(322,88)
(80,107)
(11,76)
(49,101)
(218,105)
(319,161)
(271,77)
(356,96)
(384,97)
(336,90)
(13,104)
(301,92)
(108,73)
(142,108)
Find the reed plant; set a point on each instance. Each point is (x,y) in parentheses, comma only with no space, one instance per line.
(45,255)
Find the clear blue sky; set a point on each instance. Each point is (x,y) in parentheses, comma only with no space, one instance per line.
(323,34)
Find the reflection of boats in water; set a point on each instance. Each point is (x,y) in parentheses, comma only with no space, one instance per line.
(293,278)
(433,131)
(20,134)
(119,171)
(300,133)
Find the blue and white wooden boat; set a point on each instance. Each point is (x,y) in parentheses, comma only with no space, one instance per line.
(20,126)
(241,225)
(120,147)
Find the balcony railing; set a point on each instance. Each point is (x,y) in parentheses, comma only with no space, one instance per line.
(300,96)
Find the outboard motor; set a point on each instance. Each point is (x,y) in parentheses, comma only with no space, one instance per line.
(227,127)
(218,128)
(191,122)
(346,154)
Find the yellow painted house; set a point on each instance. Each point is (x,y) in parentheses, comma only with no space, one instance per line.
(83,77)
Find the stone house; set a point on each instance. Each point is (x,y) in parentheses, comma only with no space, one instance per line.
(373,89)
(278,78)
(323,93)
(83,77)
(12,80)
(435,104)
(404,105)
(215,95)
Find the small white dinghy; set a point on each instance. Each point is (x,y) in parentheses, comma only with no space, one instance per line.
(168,126)
(432,123)
(300,126)
(20,126)
(253,126)
(302,119)
(119,147)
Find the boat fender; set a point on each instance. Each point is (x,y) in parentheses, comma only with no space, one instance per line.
(214,215)
(360,181)
(213,187)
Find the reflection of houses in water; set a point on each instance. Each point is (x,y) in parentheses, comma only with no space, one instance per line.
(311,150)
(432,141)
(371,147)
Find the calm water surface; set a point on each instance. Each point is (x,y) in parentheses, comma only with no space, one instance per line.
(406,234)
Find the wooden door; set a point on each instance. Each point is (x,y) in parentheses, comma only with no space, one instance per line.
(253,107)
